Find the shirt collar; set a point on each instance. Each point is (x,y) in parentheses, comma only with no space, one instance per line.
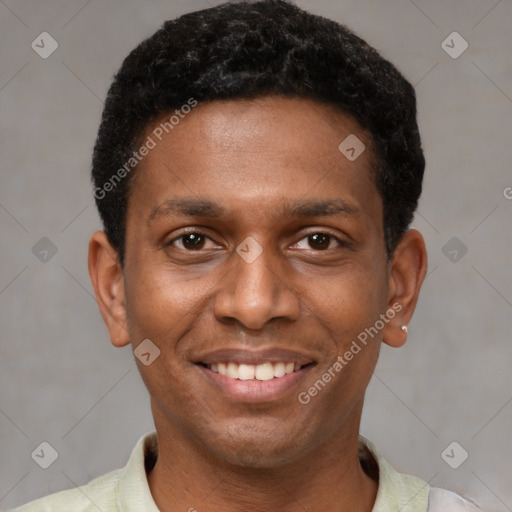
(396,491)
(133,493)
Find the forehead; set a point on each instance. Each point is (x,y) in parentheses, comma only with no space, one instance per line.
(258,153)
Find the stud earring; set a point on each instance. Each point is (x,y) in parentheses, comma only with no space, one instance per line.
(404,328)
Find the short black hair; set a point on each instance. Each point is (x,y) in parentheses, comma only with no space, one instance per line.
(246,50)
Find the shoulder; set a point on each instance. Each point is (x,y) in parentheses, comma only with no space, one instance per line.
(407,493)
(442,500)
(100,492)
(122,489)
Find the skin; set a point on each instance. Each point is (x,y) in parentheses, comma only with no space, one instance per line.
(312,295)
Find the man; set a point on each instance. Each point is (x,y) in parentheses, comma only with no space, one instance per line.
(256,170)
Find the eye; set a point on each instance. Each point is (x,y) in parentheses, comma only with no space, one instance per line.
(191,241)
(319,242)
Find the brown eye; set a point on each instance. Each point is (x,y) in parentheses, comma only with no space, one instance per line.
(319,241)
(192,241)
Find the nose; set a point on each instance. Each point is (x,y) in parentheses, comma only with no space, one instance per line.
(255,293)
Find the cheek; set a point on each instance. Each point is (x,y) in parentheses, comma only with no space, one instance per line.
(163,309)
(160,306)
(347,302)
(346,307)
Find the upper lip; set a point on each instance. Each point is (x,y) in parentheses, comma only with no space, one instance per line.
(253,357)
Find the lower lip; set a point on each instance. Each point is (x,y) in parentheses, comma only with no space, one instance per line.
(256,390)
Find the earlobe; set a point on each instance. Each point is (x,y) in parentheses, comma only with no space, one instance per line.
(108,282)
(407,271)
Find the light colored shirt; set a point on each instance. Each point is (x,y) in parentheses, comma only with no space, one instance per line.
(127,489)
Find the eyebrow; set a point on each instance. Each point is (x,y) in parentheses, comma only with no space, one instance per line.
(205,208)
(320,208)
(186,208)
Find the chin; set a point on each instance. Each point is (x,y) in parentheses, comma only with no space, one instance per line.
(255,447)
(258,456)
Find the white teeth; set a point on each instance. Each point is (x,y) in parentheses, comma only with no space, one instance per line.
(232,372)
(246,371)
(279,370)
(265,371)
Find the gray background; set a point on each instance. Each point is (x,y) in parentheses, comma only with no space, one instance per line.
(61,380)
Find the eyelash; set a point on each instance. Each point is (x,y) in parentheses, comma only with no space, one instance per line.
(341,243)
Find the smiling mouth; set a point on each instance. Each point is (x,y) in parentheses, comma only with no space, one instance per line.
(262,372)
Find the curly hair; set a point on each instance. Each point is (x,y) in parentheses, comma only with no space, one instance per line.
(244,50)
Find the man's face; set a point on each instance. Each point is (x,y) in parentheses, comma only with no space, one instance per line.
(252,240)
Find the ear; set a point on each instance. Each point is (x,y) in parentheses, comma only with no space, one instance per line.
(108,282)
(407,271)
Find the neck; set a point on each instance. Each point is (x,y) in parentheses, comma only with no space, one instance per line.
(329,478)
